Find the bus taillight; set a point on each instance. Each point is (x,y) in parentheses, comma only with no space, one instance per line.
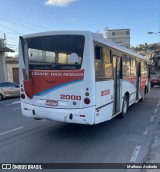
(23,96)
(87,101)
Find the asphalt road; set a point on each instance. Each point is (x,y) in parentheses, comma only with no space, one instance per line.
(25,140)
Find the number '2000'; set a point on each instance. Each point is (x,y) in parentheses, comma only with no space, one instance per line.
(70,97)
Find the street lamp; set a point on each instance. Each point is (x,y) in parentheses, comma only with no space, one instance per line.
(154,33)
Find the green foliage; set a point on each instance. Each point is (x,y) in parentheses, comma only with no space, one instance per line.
(148,47)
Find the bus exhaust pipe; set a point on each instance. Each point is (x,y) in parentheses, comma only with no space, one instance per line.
(71,116)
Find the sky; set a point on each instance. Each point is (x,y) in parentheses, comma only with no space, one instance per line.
(22,17)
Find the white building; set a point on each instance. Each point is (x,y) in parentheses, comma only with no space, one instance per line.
(3,66)
(120,36)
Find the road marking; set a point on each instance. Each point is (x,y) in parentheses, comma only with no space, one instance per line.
(10,131)
(135,154)
(8,105)
(146,131)
(13,103)
(16,102)
(155,111)
(16,108)
(152,119)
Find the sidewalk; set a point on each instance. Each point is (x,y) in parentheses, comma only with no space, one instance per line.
(154,152)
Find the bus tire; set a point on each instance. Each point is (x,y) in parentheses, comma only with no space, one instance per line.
(1,97)
(37,119)
(124,107)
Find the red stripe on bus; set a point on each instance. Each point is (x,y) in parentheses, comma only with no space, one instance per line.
(42,80)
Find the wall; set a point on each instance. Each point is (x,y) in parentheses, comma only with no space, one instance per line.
(3,68)
(10,68)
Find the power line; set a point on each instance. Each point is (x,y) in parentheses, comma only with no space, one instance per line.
(20,21)
(18,24)
(12,29)
(12,42)
(9,32)
(42,11)
(12,39)
(45,12)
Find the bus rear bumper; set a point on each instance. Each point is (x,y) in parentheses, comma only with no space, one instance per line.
(79,116)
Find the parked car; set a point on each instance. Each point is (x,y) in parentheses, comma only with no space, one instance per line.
(9,89)
(152,72)
(155,81)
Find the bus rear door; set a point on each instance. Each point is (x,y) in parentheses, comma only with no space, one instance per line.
(117,85)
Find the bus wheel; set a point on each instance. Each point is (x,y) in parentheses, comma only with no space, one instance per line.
(1,97)
(37,118)
(124,107)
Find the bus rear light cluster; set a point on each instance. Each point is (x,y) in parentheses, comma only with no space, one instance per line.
(87,101)
(87,93)
(23,96)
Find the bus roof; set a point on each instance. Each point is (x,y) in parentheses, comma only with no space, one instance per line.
(95,36)
(117,46)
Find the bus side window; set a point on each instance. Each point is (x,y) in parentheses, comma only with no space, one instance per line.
(107,62)
(133,67)
(100,71)
(143,69)
(126,66)
(98,53)
(103,63)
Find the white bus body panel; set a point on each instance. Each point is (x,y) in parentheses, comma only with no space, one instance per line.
(82,113)
(101,94)
(61,115)
(104,100)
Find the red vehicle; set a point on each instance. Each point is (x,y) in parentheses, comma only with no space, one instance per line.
(155,81)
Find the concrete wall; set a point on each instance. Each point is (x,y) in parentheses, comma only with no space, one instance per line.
(3,68)
(10,71)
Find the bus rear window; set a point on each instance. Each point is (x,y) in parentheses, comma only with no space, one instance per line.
(53,52)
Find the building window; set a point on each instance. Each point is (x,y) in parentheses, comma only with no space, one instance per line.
(113,33)
(127,32)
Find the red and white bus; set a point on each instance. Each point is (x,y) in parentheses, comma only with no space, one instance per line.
(79,77)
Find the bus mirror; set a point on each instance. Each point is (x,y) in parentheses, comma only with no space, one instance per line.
(73,58)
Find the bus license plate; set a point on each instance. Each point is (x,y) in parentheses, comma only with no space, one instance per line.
(51,103)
